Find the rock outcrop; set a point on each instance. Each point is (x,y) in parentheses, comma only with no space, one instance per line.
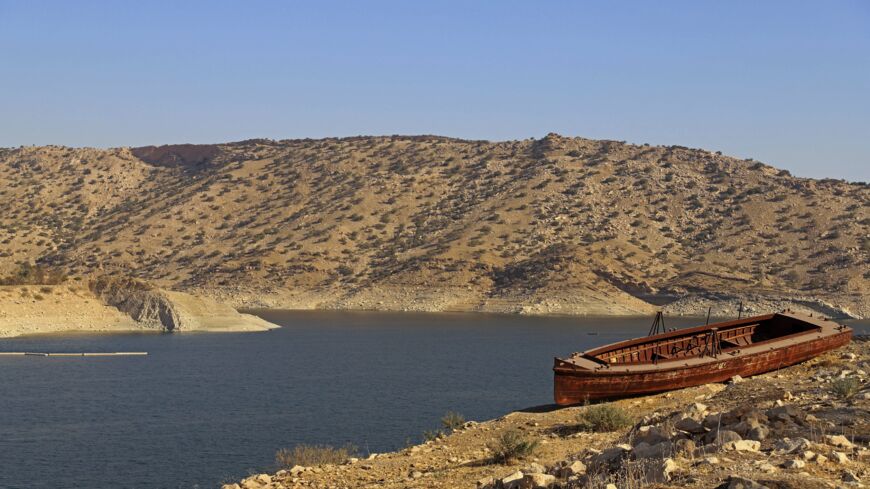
(170,310)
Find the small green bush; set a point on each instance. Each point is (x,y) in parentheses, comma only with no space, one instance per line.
(431,435)
(452,420)
(312,455)
(511,445)
(846,387)
(603,417)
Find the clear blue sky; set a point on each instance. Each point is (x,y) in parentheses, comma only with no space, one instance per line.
(784,82)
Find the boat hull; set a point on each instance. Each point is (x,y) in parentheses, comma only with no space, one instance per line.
(575,386)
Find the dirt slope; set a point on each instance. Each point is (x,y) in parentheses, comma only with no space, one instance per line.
(557,225)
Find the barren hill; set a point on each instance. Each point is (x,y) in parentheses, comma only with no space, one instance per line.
(556,225)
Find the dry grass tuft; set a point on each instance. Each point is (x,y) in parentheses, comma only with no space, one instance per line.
(313,455)
(510,446)
(603,417)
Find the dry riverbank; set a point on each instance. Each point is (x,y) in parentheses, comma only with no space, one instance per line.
(563,302)
(44,309)
(794,428)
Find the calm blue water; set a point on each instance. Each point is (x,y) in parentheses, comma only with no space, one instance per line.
(205,408)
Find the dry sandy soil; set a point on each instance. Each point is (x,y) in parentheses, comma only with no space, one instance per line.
(45,309)
(792,404)
(551,226)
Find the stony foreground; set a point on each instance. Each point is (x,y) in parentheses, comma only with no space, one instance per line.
(785,429)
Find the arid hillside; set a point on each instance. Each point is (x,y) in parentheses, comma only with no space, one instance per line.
(556,225)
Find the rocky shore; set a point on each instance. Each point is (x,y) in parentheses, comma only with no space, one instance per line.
(806,426)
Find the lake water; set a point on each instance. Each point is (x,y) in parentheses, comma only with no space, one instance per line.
(201,409)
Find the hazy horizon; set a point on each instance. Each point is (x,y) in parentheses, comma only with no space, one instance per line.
(777,82)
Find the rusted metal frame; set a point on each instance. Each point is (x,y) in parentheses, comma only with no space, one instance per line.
(683,332)
(644,351)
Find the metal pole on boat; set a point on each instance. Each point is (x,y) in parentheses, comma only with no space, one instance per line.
(708,316)
(658,324)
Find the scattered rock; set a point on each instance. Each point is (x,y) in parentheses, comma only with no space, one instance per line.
(742,446)
(536,481)
(511,481)
(849,477)
(839,441)
(736,379)
(696,410)
(645,450)
(787,446)
(575,468)
(794,464)
(735,482)
(650,435)
(660,472)
(709,461)
(683,446)
(840,457)
(690,425)
(609,459)
(721,437)
(485,483)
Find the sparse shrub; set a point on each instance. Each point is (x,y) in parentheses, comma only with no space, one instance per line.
(28,274)
(452,420)
(432,435)
(511,445)
(312,455)
(846,387)
(603,417)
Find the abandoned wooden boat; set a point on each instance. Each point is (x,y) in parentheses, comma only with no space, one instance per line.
(694,356)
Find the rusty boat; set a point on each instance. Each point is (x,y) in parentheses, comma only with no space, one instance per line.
(694,356)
